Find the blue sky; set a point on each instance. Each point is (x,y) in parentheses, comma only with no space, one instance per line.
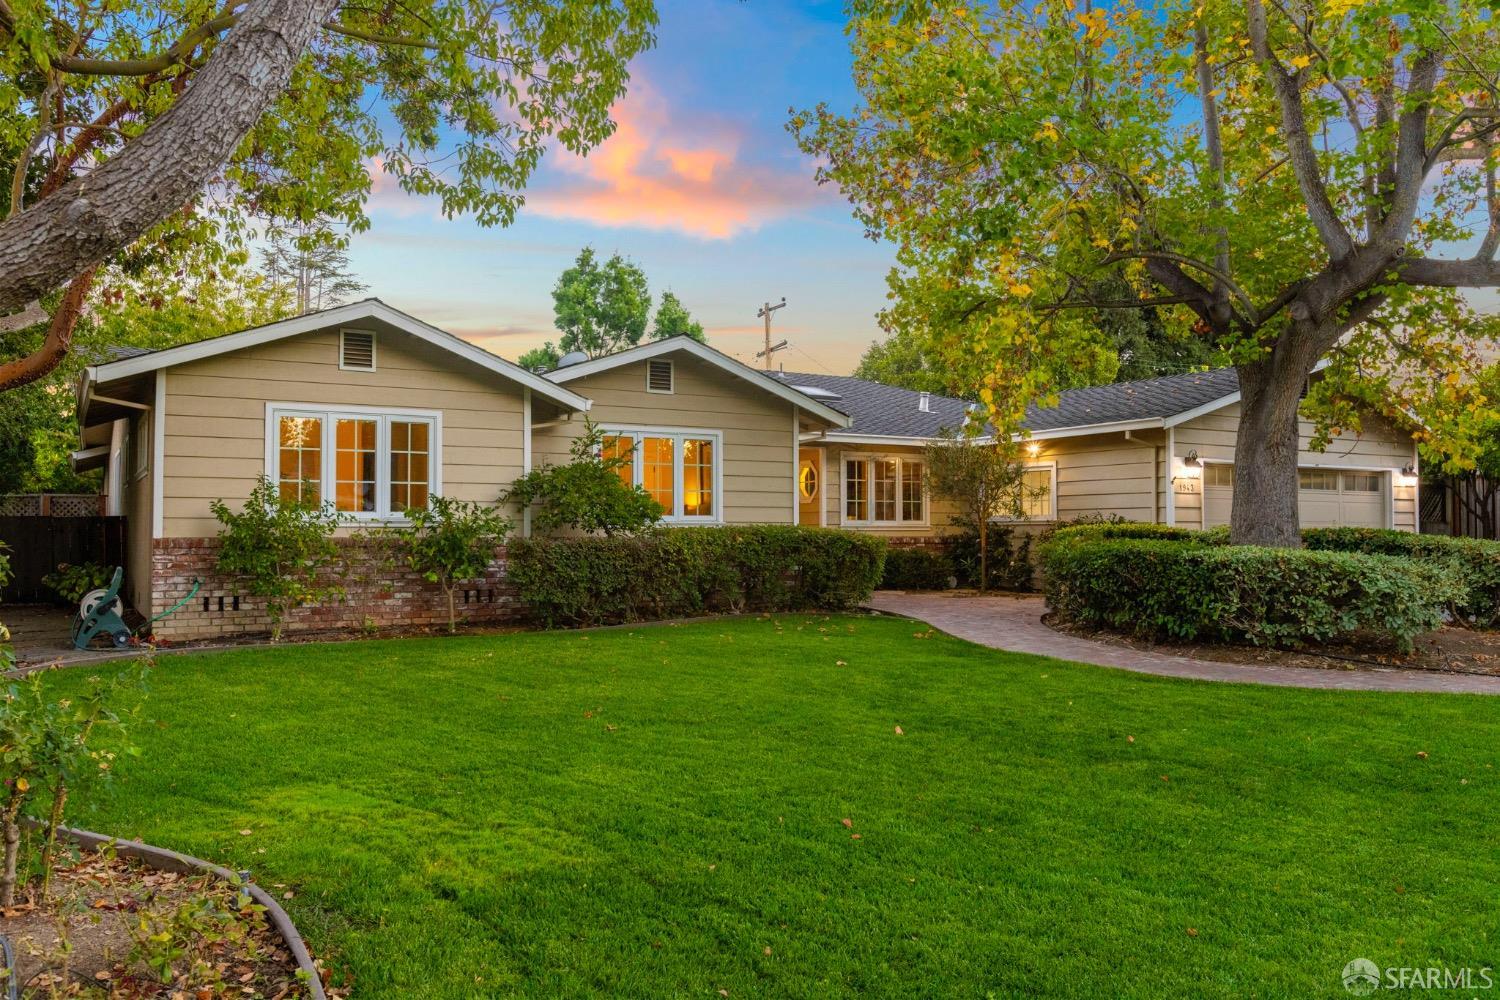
(702,186)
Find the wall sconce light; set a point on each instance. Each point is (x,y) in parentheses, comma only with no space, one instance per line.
(1192,467)
(1033,449)
(1409,475)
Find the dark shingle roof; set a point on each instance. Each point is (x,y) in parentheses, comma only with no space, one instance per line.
(886,411)
(120,352)
(1166,396)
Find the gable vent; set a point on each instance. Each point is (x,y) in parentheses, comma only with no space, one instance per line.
(658,376)
(357,350)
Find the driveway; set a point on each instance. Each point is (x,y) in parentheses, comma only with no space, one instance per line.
(1014,623)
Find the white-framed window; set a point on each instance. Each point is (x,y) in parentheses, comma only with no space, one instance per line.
(1038,490)
(370,463)
(681,469)
(140,445)
(1322,480)
(884,490)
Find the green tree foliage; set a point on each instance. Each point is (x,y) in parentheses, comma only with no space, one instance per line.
(310,264)
(983,481)
(902,360)
(587,494)
(544,357)
(50,747)
(673,320)
(1145,344)
(280,548)
(451,100)
(1026,158)
(167,292)
(451,541)
(601,308)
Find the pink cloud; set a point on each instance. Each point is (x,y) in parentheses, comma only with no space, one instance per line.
(665,170)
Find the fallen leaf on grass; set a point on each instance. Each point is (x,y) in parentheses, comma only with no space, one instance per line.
(1421,755)
(899,732)
(1192,932)
(768,950)
(1130,739)
(246,833)
(855,836)
(840,663)
(848,823)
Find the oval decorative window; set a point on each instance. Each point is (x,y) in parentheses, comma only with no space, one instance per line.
(807,481)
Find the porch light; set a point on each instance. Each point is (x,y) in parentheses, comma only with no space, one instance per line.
(1192,468)
(1033,449)
(1408,475)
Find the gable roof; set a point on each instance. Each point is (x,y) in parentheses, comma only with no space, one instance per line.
(718,359)
(132,361)
(882,411)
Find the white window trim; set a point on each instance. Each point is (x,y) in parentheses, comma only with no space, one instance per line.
(383,416)
(1051,514)
(374,348)
(140,445)
(869,458)
(675,516)
(672,374)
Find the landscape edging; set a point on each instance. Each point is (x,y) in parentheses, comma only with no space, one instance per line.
(163,859)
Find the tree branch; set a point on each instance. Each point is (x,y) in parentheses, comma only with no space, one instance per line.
(173,54)
(1214,145)
(1432,273)
(1303,157)
(23,371)
(154,175)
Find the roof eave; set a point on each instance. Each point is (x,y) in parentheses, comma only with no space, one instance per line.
(353,312)
(703,352)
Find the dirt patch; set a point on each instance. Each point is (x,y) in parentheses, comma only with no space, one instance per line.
(115,928)
(1448,650)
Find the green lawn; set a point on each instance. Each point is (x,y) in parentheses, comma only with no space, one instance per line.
(658,812)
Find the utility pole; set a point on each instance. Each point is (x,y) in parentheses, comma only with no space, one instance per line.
(766,311)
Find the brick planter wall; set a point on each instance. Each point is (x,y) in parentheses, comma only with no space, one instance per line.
(381,592)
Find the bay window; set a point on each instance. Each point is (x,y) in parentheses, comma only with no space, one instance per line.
(884,490)
(368,463)
(680,469)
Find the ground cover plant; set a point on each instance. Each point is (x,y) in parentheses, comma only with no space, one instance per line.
(819,806)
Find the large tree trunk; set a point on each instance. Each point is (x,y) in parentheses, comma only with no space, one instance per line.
(105,210)
(1265,455)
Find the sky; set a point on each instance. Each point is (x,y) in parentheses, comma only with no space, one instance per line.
(701,185)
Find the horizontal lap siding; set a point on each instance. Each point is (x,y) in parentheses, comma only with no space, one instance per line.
(216,413)
(758,445)
(1381,445)
(1103,476)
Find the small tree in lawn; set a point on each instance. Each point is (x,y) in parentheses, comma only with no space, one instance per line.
(980,478)
(281,547)
(588,494)
(450,541)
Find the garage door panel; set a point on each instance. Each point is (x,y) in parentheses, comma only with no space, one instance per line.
(1326,498)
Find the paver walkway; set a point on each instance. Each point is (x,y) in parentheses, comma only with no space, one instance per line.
(1014,623)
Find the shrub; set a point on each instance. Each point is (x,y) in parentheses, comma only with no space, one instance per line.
(450,541)
(917,569)
(280,548)
(677,572)
(587,494)
(1475,561)
(1280,597)
(1008,563)
(1104,530)
(71,581)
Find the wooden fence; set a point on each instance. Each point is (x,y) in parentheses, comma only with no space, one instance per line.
(1461,505)
(37,544)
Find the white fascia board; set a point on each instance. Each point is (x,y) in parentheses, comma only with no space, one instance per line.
(702,352)
(1212,406)
(354,312)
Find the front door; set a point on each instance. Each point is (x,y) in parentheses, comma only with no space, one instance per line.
(810,486)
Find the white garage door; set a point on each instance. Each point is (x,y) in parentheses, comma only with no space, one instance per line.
(1326,497)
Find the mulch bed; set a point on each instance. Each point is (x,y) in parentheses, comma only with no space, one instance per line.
(79,942)
(1449,650)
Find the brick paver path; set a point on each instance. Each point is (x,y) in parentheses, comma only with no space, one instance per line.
(1015,623)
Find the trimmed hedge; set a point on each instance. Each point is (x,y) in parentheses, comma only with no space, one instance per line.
(1161,588)
(1098,531)
(680,572)
(1475,561)
(917,569)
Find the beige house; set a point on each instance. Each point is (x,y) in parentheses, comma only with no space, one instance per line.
(372,410)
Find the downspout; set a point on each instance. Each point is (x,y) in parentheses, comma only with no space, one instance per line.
(114,480)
